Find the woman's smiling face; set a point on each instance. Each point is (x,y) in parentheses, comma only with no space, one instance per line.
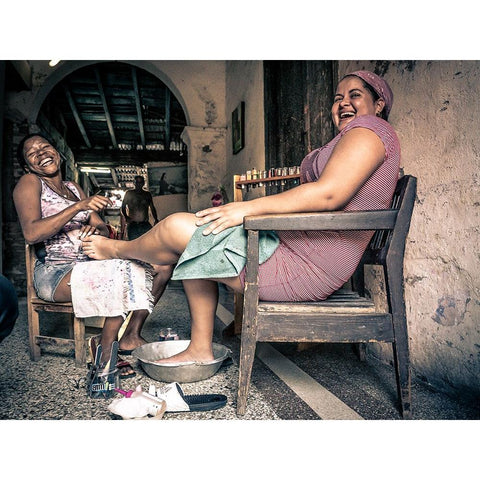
(353,99)
(41,157)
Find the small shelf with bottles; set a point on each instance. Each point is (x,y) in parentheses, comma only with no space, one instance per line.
(275,179)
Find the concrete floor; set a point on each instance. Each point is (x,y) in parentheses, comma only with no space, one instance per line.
(318,382)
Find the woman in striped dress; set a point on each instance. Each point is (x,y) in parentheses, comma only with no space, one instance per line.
(357,170)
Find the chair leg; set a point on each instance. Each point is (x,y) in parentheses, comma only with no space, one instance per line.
(79,337)
(360,350)
(247,355)
(248,340)
(71,325)
(400,345)
(33,331)
(402,371)
(238,313)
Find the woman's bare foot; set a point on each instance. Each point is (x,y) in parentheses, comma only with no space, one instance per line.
(125,369)
(99,247)
(188,355)
(128,344)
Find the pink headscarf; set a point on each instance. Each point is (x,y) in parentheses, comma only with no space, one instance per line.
(379,85)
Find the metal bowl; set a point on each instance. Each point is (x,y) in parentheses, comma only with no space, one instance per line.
(177,372)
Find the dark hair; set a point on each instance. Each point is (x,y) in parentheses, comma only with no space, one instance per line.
(20,157)
(137,177)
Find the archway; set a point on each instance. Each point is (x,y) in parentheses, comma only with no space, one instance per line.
(112,121)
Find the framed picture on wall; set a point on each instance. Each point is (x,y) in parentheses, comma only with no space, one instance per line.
(166,179)
(238,128)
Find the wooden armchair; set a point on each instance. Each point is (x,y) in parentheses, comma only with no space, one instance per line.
(36,305)
(347,317)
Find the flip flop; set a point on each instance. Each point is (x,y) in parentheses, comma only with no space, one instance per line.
(124,364)
(92,345)
(125,352)
(177,401)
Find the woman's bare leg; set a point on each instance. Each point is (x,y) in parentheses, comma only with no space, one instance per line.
(202,296)
(63,292)
(111,326)
(110,331)
(132,338)
(162,245)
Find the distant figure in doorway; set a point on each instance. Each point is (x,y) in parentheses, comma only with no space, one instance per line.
(8,307)
(135,207)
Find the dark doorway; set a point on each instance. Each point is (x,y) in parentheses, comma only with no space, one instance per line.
(298,98)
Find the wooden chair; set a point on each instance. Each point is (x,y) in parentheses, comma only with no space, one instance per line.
(36,305)
(347,317)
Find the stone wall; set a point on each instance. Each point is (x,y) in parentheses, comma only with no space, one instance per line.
(14,244)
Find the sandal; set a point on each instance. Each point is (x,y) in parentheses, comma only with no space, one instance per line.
(121,363)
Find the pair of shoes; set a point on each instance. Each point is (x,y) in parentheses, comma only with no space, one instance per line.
(177,401)
(121,364)
(137,405)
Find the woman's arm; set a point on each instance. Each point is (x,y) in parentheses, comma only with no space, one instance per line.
(26,197)
(355,157)
(95,222)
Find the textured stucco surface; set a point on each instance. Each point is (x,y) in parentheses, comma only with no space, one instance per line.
(436,112)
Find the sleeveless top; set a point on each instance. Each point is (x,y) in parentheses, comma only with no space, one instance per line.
(64,246)
(311,265)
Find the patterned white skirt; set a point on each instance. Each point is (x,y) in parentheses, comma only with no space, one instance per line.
(108,288)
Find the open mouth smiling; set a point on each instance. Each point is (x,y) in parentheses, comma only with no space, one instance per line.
(46,161)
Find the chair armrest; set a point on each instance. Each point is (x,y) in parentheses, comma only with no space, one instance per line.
(356,220)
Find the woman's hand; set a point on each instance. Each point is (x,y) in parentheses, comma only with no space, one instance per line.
(88,230)
(94,203)
(222,217)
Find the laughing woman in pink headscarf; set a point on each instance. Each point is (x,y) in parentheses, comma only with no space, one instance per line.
(357,170)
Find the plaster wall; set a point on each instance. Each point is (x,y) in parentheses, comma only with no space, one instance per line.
(435,114)
(244,82)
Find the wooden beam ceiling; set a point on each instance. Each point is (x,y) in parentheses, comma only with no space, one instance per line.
(76,116)
(112,114)
(108,118)
(138,104)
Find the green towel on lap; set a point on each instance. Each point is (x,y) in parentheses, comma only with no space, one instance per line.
(222,255)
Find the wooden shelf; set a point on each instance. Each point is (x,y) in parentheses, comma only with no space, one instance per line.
(239,183)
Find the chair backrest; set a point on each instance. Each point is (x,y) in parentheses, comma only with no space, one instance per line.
(387,244)
(383,241)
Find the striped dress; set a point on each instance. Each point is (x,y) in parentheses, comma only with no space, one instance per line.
(311,265)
